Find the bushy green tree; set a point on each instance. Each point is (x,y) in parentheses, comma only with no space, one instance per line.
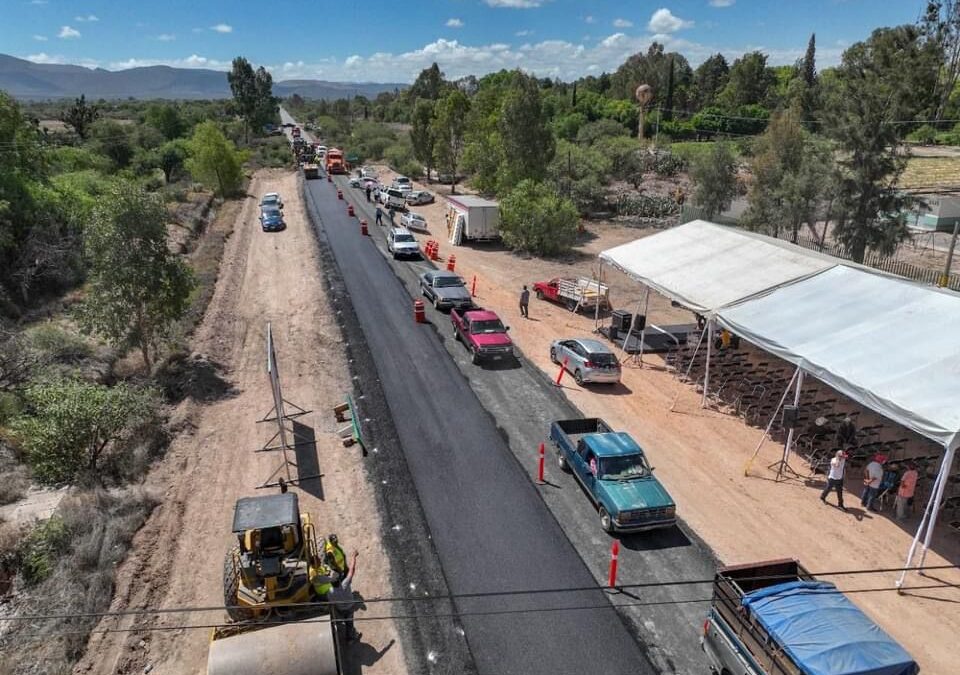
(891,76)
(72,427)
(215,161)
(709,79)
(165,118)
(171,158)
(252,94)
(421,133)
(137,287)
(113,140)
(535,219)
(449,128)
(80,116)
(580,173)
(528,145)
(715,178)
(749,82)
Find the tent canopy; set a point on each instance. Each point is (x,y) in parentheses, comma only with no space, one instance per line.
(890,344)
(705,266)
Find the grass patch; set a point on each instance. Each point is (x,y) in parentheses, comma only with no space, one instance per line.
(72,560)
(691,151)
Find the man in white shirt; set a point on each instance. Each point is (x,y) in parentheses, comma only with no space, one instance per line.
(835,478)
(872,477)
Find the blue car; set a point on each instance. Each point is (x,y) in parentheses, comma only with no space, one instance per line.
(271,220)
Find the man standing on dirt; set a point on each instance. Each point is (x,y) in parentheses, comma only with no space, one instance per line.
(835,478)
(379,213)
(872,477)
(525,303)
(368,192)
(344,604)
(908,485)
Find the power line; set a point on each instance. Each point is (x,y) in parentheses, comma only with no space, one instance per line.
(473,596)
(442,615)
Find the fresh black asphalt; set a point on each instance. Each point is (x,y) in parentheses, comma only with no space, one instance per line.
(491,529)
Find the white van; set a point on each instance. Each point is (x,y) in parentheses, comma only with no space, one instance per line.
(394,199)
(403,184)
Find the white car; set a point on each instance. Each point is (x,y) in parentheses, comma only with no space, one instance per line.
(401,242)
(368,172)
(271,200)
(393,199)
(403,184)
(413,221)
(419,197)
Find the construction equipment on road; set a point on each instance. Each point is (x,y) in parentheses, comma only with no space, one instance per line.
(275,568)
(311,170)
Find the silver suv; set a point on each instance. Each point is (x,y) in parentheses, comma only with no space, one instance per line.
(401,242)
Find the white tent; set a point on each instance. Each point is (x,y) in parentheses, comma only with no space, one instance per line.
(705,266)
(890,344)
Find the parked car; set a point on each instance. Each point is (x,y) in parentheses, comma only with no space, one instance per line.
(419,197)
(271,220)
(368,172)
(445,289)
(614,473)
(401,242)
(483,333)
(413,221)
(355,182)
(393,199)
(271,200)
(589,361)
(574,293)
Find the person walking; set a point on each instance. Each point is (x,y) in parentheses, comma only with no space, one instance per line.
(525,303)
(368,192)
(872,477)
(908,485)
(379,214)
(835,478)
(343,602)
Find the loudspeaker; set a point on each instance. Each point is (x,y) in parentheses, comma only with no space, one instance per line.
(621,320)
(614,333)
(790,416)
(640,323)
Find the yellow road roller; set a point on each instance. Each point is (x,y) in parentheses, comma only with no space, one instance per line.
(275,567)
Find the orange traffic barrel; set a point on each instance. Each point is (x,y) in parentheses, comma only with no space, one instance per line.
(419,314)
(349,209)
(339,194)
(451,263)
(363,228)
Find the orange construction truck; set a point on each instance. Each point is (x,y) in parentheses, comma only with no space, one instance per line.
(335,162)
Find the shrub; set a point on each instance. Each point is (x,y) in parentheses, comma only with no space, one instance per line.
(534,218)
(925,134)
(56,344)
(39,550)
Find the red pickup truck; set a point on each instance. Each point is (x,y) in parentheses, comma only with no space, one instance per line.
(483,333)
(577,293)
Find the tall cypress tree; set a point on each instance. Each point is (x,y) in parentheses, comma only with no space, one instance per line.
(810,62)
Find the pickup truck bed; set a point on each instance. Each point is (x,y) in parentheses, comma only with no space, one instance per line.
(774,618)
(574,429)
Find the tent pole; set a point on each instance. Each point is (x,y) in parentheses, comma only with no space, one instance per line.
(686,375)
(788,446)
(766,432)
(923,522)
(944,471)
(596,308)
(643,331)
(706,372)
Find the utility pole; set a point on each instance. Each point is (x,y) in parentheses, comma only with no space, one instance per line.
(945,278)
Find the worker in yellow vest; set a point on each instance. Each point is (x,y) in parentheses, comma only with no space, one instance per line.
(334,556)
(323,581)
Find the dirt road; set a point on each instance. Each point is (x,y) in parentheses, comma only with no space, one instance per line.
(177,557)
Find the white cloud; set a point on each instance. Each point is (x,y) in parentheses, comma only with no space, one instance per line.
(515,4)
(721,3)
(454,23)
(622,23)
(90,18)
(166,37)
(589,19)
(222,28)
(663,21)
(40,38)
(38,2)
(66,33)
(523,33)
(192,61)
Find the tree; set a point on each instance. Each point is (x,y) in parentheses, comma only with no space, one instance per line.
(536,219)
(809,70)
(791,171)
(941,26)
(421,133)
(710,78)
(171,157)
(80,116)
(214,160)
(253,94)
(888,77)
(429,84)
(668,102)
(112,139)
(580,173)
(715,176)
(137,287)
(166,119)
(74,427)
(528,145)
(749,82)
(449,131)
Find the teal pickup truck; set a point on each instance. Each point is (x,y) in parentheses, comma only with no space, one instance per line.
(614,472)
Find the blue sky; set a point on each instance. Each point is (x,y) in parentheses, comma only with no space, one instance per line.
(386,40)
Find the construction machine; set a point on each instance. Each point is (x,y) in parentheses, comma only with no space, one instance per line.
(269,580)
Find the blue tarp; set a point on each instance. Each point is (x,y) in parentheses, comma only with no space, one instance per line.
(824,633)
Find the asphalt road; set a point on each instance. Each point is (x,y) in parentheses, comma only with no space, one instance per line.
(491,529)
(522,403)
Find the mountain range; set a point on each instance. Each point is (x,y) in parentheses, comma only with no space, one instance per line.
(40,81)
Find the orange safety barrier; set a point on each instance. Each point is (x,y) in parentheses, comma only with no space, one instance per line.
(451,263)
(419,315)
(363,228)
(339,194)
(350,210)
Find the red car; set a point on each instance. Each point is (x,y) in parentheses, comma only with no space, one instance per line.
(483,333)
